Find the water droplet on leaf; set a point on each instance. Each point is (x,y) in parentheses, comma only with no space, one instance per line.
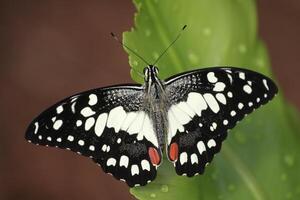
(147,32)
(193,58)
(164,188)
(207,31)
(135,63)
(155,55)
(283,177)
(242,48)
(231,187)
(289,160)
(152,195)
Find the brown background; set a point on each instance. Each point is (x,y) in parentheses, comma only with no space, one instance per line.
(52,49)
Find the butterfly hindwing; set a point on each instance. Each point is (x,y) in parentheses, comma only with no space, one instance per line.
(108,125)
(204,104)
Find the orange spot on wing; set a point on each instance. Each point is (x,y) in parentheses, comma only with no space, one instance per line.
(154,156)
(173,152)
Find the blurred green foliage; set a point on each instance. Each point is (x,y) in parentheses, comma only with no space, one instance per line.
(260,158)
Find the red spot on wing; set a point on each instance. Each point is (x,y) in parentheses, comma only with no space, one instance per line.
(173,152)
(154,156)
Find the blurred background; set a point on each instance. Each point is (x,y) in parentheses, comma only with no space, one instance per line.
(52,49)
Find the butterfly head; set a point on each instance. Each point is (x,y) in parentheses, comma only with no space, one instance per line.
(150,73)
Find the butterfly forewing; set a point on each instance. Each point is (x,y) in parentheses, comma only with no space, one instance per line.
(108,125)
(204,105)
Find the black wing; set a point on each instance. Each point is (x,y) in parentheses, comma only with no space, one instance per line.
(204,105)
(108,125)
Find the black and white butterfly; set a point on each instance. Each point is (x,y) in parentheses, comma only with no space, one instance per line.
(126,128)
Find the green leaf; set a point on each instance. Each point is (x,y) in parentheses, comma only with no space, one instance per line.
(260,158)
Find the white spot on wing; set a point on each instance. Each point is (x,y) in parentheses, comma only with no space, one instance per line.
(92,148)
(214,124)
(92,99)
(111,162)
(119,140)
(100,124)
(265,84)
(211,143)
(134,170)
(240,105)
(242,75)
(104,147)
(78,123)
(74,98)
(57,124)
(230,78)
(212,103)
(229,94)
(87,111)
(89,123)
(59,109)
(124,160)
(73,107)
(145,165)
(196,102)
(201,147)
(70,138)
(115,118)
(81,142)
(194,158)
(221,98)
(211,77)
(108,148)
(183,158)
(219,87)
(247,89)
(36,127)
(232,113)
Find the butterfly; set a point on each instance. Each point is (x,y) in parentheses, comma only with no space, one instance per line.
(126,128)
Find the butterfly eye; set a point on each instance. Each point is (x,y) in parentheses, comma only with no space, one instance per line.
(145,71)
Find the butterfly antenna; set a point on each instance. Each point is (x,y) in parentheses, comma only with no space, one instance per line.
(124,45)
(178,35)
